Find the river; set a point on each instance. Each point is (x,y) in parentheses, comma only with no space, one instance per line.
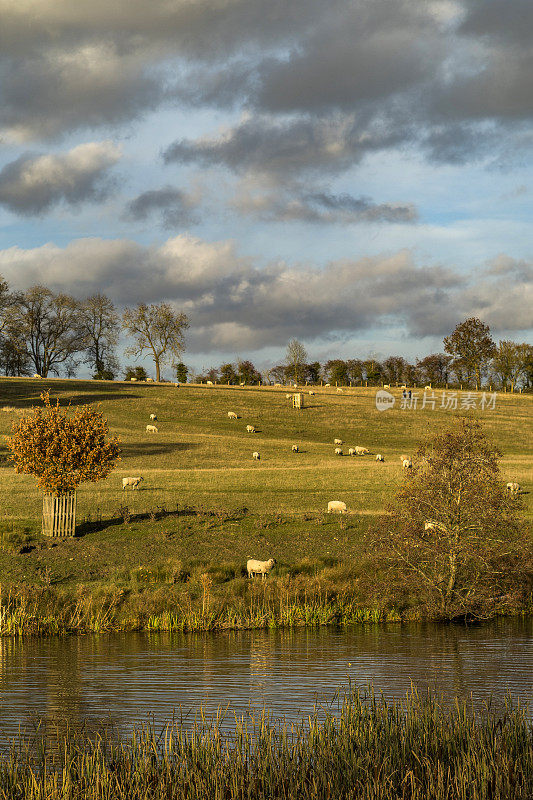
(122,680)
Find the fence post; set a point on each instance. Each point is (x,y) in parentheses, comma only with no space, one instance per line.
(59,515)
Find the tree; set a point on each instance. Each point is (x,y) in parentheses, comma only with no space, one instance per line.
(395,369)
(355,368)
(100,324)
(472,346)
(373,371)
(137,373)
(247,372)
(336,371)
(228,374)
(181,372)
(510,362)
(453,536)
(156,329)
(14,356)
(312,372)
(50,324)
(63,448)
(296,358)
(434,369)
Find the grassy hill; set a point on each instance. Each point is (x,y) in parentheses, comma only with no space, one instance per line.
(230,506)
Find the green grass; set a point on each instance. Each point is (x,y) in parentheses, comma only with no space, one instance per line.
(370,750)
(206,506)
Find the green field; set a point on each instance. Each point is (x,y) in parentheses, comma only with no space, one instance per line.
(231,507)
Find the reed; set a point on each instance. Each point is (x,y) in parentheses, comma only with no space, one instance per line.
(363,749)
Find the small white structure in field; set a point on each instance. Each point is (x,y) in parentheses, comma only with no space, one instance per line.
(336,507)
(256,456)
(151,429)
(298,400)
(133,482)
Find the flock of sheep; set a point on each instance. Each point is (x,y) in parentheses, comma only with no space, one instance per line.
(255,567)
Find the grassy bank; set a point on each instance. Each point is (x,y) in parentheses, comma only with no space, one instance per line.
(411,750)
(172,555)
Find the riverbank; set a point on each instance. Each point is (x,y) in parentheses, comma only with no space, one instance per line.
(368,749)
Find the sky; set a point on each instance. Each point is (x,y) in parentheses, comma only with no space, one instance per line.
(356,174)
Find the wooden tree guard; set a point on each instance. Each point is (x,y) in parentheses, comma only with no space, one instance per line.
(59,514)
(298,400)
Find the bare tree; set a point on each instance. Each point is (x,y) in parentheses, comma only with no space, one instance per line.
(50,324)
(101,325)
(296,358)
(156,329)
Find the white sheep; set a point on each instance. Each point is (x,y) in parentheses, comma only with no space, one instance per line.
(232,415)
(428,387)
(250,429)
(338,451)
(361,451)
(407,463)
(337,441)
(153,417)
(405,458)
(149,380)
(311,393)
(379,457)
(327,385)
(288,396)
(336,507)
(431,525)
(151,429)
(209,383)
(295,448)
(133,482)
(36,375)
(255,567)
(513,487)
(386,385)
(256,456)
(351,451)
(340,390)
(133,380)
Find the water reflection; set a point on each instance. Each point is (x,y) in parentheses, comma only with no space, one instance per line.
(126,679)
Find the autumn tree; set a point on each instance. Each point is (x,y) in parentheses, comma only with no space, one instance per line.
(510,362)
(471,347)
(453,536)
(156,329)
(100,324)
(395,369)
(336,371)
(228,374)
(435,368)
(247,372)
(50,324)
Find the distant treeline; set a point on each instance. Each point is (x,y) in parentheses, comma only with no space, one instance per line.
(45,333)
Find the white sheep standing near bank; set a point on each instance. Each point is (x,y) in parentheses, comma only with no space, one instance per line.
(513,488)
(133,482)
(256,456)
(336,507)
(255,567)
(151,429)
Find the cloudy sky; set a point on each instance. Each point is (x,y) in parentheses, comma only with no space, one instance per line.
(357,174)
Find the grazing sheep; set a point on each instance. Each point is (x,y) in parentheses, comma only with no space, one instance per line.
(250,429)
(340,390)
(255,567)
(427,387)
(288,396)
(295,448)
(337,441)
(513,488)
(256,456)
(405,458)
(153,417)
(338,451)
(379,457)
(133,482)
(351,451)
(361,451)
(386,385)
(327,385)
(336,507)
(133,380)
(209,383)
(151,429)
(407,464)
(232,415)
(36,375)
(149,380)
(310,392)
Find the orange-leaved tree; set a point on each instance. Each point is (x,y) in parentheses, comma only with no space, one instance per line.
(63,447)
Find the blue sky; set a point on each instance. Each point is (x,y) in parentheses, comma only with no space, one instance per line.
(357,175)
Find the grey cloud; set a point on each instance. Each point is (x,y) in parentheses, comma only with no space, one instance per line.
(299,205)
(174,207)
(34,183)
(289,146)
(233,304)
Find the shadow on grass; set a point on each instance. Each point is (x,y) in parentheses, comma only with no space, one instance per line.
(154,448)
(122,517)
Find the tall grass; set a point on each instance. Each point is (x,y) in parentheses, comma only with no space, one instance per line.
(369,750)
